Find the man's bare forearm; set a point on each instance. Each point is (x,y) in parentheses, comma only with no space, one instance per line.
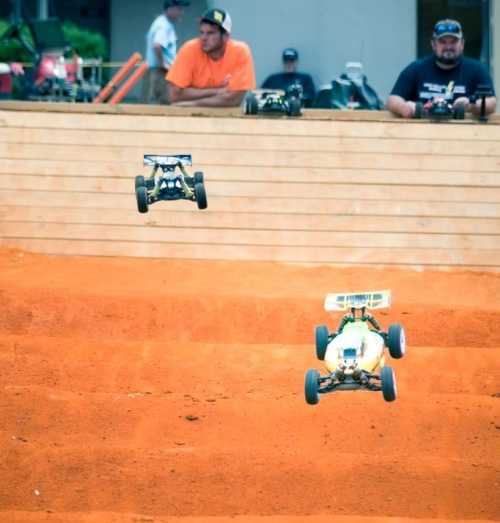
(400,106)
(224,99)
(191,93)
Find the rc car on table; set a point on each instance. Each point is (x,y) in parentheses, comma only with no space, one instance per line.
(354,355)
(169,180)
(440,107)
(275,101)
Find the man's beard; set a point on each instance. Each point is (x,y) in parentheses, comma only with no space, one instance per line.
(448,60)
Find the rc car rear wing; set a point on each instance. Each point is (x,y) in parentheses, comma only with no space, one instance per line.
(170,160)
(370,300)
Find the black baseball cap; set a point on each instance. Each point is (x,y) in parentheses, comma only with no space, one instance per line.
(173,3)
(290,54)
(218,17)
(447,28)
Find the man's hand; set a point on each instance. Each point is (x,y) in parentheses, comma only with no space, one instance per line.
(225,82)
(408,110)
(463,100)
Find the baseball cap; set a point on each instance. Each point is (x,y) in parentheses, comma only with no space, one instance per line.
(290,54)
(447,28)
(218,17)
(173,3)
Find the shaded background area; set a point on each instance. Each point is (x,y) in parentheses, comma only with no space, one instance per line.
(474,15)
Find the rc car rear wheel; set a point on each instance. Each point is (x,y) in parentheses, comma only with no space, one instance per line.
(389,390)
(294,107)
(198,177)
(419,111)
(396,341)
(459,112)
(140,182)
(141,195)
(321,341)
(200,195)
(251,104)
(311,387)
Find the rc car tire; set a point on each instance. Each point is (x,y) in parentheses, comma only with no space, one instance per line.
(294,107)
(396,341)
(459,112)
(419,111)
(321,341)
(251,104)
(311,387)
(198,177)
(141,195)
(200,195)
(140,182)
(388,379)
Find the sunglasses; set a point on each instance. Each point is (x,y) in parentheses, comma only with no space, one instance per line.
(451,27)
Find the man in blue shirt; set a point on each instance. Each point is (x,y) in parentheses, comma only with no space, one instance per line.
(290,76)
(430,77)
(161,50)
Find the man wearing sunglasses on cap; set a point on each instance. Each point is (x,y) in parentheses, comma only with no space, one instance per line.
(425,79)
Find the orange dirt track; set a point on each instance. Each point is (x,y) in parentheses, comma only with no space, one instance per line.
(139,390)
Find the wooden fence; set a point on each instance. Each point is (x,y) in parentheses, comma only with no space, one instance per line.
(330,187)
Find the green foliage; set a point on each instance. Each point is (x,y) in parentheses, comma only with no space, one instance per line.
(12,50)
(88,44)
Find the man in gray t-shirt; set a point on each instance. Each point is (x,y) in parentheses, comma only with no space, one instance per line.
(161,49)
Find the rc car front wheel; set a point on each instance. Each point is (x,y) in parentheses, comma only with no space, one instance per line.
(200,195)
(459,112)
(321,341)
(198,177)
(141,195)
(396,341)
(419,110)
(311,387)
(251,104)
(389,390)
(294,107)
(140,182)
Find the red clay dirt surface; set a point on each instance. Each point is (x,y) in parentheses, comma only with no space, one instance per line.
(149,391)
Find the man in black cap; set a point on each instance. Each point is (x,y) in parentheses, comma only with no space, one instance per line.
(213,70)
(425,79)
(161,50)
(290,76)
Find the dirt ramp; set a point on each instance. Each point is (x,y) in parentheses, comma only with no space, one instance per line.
(225,319)
(109,517)
(155,390)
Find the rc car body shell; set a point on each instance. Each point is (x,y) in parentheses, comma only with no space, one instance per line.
(369,348)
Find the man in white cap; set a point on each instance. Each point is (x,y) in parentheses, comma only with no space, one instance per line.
(425,79)
(212,70)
